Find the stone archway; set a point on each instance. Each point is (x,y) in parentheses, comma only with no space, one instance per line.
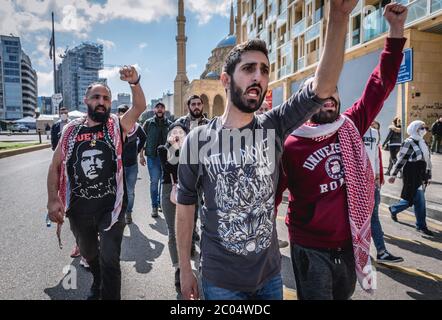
(218,106)
(205,100)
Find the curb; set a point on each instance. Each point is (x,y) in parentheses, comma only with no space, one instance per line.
(10,153)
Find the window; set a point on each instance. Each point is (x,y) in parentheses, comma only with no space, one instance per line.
(13,80)
(11,50)
(11,43)
(13,58)
(11,72)
(11,65)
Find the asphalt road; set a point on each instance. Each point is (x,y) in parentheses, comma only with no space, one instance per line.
(32,264)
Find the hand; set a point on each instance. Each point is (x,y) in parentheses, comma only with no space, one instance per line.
(189,285)
(392,179)
(396,15)
(129,74)
(142,161)
(342,7)
(56,210)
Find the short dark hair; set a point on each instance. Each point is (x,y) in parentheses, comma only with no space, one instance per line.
(160,104)
(89,88)
(194,96)
(123,108)
(234,56)
(62,109)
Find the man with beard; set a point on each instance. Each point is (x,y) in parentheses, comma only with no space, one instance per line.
(331,183)
(241,260)
(193,119)
(88,161)
(156,129)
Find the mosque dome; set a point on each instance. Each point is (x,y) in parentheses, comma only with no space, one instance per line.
(229,41)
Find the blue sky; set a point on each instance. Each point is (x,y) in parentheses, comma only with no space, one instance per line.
(135,32)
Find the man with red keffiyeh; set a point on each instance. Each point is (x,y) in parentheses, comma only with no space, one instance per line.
(86,182)
(326,168)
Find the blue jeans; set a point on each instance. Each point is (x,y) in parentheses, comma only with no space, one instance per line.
(376,228)
(419,208)
(131,179)
(155,173)
(272,290)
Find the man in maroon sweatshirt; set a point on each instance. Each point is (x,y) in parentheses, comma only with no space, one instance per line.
(319,219)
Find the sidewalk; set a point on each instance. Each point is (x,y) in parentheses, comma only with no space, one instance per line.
(391,192)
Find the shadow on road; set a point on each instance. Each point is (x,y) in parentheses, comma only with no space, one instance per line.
(140,249)
(74,285)
(417,248)
(426,289)
(160,225)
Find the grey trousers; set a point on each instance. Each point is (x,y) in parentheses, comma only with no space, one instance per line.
(169,211)
(323,274)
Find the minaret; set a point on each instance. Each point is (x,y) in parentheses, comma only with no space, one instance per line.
(181,80)
(238,21)
(232,20)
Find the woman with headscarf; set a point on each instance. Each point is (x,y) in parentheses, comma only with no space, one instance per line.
(394,141)
(415,161)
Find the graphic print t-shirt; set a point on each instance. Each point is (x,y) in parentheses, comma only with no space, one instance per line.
(239,173)
(91,170)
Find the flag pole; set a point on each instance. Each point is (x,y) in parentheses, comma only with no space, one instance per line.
(53,54)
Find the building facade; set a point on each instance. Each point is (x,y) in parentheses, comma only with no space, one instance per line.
(18,81)
(122,98)
(295,32)
(80,68)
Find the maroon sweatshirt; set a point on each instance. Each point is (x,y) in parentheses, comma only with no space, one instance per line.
(317,215)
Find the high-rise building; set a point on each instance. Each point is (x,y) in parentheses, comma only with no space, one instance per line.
(18,81)
(295,32)
(80,68)
(122,98)
(44,104)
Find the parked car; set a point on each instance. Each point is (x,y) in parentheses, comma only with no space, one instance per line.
(19,128)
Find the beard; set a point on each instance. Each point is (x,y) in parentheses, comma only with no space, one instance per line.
(323,117)
(97,116)
(159,115)
(246,106)
(197,113)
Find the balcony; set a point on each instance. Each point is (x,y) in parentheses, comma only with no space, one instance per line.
(299,28)
(374,25)
(355,37)
(300,63)
(416,11)
(260,9)
(313,32)
(435,5)
(282,39)
(284,71)
(312,57)
(272,56)
(357,8)
(319,13)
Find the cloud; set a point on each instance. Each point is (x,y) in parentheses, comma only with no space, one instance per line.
(206,9)
(142,45)
(192,66)
(107,43)
(22,17)
(45,83)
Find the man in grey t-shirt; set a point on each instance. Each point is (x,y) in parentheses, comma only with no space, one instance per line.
(233,163)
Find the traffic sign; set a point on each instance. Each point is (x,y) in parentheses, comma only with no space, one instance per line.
(406,68)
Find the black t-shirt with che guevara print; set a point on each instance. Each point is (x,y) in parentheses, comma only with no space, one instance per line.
(92,173)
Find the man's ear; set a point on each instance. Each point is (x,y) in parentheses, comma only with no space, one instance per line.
(85,100)
(225,80)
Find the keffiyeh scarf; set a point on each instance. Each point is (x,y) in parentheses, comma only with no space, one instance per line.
(359,179)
